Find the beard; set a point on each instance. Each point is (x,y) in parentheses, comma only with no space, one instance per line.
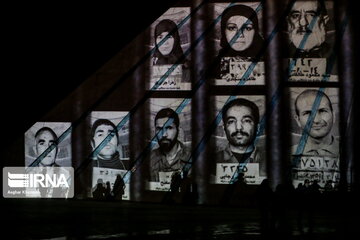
(314,39)
(166,144)
(240,138)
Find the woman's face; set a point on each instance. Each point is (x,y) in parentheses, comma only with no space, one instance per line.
(167,46)
(245,38)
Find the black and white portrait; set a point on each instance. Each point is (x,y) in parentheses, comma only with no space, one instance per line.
(44,136)
(240,139)
(315,136)
(47,148)
(310,31)
(169,63)
(109,140)
(238,40)
(170,139)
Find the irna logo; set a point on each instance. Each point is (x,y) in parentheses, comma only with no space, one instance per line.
(37,180)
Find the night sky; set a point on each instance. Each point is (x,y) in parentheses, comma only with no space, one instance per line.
(50,49)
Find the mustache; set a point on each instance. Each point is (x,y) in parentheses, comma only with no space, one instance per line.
(303,30)
(240,132)
(164,139)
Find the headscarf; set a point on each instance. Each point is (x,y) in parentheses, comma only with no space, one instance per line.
(249,13)
(169,26)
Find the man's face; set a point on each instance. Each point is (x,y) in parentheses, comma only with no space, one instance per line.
(323,121)
(168,45)
(43,141)
(169,134)
(239,126)
(245,37)
(101,132)
(299,20)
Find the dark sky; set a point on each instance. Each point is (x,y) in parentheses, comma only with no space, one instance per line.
(51,48)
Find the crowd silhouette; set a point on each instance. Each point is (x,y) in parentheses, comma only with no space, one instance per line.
(105,192)
(275,207)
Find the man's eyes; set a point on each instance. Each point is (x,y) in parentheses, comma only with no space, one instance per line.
(306,113)
(248,120)
(230,121)
(295,15)
(323,111)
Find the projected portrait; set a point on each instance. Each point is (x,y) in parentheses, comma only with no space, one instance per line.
(47,148)
(240,140)
(109,140)
(238,40)
(43,146)
(315,136)
(169,63)
(170,124)
(311,36)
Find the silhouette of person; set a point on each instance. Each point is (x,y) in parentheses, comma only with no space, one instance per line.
(108,195)
(283,201)
(328,186)
(99,192)
(175,187)
(175,182)
(119,188)
(264,196)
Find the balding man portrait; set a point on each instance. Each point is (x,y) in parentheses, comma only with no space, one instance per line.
(45,137)
(320,140)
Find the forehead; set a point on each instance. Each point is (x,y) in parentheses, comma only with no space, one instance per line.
(164,33)
(161,121)
(45,135)
(305,6)
(307,102)
(239,20)
(239,111)
(104,128)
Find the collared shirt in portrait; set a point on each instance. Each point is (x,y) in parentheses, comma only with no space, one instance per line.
(256,156)
(159,163)
(326,150)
